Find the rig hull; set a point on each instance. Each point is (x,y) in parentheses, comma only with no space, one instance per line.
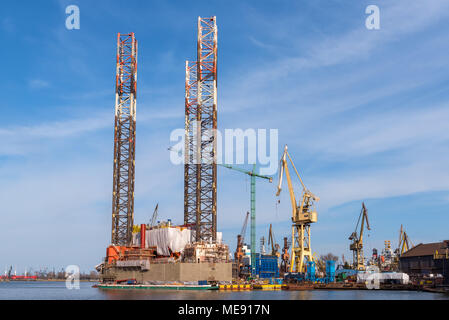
(182,272)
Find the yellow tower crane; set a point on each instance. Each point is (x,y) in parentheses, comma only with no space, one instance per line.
(302,216)
(357,240)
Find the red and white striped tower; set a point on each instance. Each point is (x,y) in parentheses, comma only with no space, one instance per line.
(124,140)
(200,202)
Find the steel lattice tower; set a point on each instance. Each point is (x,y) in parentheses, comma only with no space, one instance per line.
(124,140)
(190,168)
(200,175)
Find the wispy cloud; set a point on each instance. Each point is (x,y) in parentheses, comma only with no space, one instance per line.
(393,130)
(38,84)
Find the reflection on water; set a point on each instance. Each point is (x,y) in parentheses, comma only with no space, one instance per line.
(57,290)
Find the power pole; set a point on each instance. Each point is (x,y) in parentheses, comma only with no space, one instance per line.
(124,140)
(200,169)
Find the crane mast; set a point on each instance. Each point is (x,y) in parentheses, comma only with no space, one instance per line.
(303,215)
(357,240)
(253,176)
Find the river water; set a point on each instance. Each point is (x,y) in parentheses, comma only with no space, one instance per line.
(18,290)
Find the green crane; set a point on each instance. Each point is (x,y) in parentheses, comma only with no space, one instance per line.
(253,176)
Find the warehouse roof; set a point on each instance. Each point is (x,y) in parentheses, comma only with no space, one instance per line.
(426,249)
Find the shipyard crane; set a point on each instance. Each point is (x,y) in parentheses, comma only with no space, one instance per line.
(274,245)
(154,217)
(357,240)
(303,214)
(253,176)
(240,240)
(404,244)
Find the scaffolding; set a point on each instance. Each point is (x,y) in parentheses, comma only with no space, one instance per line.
(124,140)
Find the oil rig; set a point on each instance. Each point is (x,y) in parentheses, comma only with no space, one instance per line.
(163,252)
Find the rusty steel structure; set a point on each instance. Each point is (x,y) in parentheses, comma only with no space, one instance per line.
(190,168)
(200,171)
(124,140)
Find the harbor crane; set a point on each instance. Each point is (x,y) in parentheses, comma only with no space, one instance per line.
(303,214)
(357,240)
(404,244)
(253,176)
(240,240)
(274,245)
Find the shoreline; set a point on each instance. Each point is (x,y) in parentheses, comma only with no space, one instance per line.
(44,280)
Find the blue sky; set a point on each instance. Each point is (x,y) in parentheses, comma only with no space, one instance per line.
(365,114)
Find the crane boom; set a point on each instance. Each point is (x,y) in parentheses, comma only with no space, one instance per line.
(245,223)
(154,217)
(272,241)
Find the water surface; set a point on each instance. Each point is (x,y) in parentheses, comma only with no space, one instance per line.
(32,290)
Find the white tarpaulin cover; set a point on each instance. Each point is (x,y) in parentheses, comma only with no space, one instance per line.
(403,278)
(166,239)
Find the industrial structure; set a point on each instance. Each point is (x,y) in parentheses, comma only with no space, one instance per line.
(356,245)
(272,242)
(285,258)
(253,176)
(404,243)
(162,251)
(124,140)
(238,255)
(200,168)
(303,214)
(429,259)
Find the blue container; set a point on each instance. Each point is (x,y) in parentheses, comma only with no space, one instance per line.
(330,271)
(266,266)
(310,274)
(202,282)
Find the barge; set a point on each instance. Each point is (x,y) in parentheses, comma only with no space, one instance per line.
(155,287)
